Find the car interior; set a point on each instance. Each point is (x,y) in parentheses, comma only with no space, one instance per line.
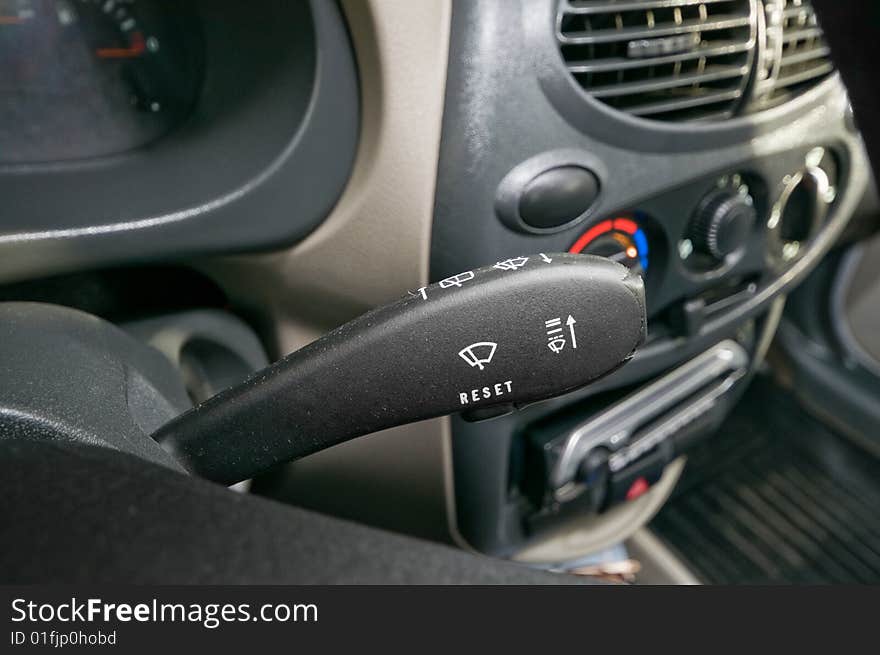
(439,292)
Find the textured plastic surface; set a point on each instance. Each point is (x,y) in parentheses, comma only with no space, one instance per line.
(68,376)
(522,330)
(558,196)
(830,372)
(722,224)
(497,126)
(514,206)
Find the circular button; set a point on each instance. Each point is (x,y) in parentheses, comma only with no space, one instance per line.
(557,197)
(722,224)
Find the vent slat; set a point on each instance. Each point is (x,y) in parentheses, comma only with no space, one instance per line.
(798,11)
(801,35)
(638,33)
(669,106)
(648,86)
(800,57)
(592,8)
(805,60)
(669,60)
(688,60)
(717,49)
(793,79)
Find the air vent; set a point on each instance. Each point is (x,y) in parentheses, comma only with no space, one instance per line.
(803,59)
(669,60)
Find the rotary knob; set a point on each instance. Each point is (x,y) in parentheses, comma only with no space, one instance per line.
(722,223)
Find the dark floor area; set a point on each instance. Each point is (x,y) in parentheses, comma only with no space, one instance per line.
(776,497)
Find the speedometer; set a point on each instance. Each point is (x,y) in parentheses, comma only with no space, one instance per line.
(88,78)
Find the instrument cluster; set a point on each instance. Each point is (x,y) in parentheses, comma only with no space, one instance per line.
(90,78)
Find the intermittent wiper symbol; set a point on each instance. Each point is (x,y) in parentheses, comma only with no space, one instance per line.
(479,354)
(511,264)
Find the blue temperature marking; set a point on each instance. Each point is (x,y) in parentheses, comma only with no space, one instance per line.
(642,245)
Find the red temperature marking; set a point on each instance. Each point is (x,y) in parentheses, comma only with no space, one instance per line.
(589,235)
(625,225)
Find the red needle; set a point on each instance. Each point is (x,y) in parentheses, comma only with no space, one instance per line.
(10,20)
(138,45)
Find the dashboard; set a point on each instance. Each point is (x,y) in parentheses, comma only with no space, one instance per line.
(315,159)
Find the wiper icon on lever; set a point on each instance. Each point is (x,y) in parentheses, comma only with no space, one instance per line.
(479,354)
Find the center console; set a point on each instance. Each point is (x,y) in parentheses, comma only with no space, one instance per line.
(710,150)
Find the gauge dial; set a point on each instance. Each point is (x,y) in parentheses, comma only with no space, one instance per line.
(86,78)
(619,239)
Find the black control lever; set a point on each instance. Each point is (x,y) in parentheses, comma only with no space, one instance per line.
(522,330)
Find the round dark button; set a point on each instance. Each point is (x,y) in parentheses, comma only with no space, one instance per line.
(558,196)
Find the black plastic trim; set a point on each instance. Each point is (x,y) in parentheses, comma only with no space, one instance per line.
(260,163)
(510,191)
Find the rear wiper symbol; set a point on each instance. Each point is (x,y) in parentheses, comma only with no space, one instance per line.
(479,354)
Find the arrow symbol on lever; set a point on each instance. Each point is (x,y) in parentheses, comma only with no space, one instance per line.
(570,323)
(546,258)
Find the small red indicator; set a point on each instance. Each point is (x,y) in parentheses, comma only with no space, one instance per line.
(638,488)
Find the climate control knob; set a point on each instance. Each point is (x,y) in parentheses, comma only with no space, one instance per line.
(722,223)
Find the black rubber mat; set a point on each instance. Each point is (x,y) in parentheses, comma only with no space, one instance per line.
(776,497)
